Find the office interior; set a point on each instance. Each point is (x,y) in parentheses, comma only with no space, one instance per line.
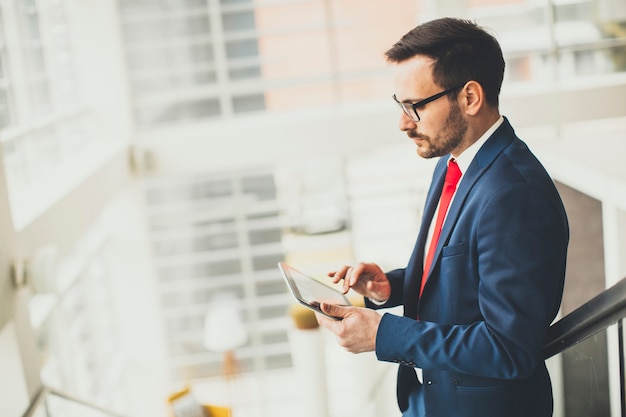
(159,157)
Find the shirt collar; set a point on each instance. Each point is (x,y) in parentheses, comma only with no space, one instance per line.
(467,156)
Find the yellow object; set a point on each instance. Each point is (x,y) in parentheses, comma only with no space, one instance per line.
(357,300)
(216,411)
(184,401)
(303,318)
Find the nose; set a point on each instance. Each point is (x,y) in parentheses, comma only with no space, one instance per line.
(406,123)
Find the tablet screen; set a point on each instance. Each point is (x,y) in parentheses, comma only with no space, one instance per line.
(310,291)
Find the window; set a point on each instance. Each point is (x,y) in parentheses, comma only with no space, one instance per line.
(178,66)
(46,132)
(214,234)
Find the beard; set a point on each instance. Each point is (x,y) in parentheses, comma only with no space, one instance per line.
(448,139)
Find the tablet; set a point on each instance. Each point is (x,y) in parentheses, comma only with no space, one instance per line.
(310,292)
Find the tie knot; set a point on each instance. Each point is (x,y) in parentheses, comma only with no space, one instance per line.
(453,174)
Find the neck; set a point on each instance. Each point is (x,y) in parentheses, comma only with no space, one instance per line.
(476,127)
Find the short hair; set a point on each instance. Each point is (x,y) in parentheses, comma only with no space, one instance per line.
(461,50)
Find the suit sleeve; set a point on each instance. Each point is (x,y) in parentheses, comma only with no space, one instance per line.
(515,264)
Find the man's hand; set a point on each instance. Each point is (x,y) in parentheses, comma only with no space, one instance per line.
(356,331)
(367,279)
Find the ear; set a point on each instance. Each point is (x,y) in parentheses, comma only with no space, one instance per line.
(472,97)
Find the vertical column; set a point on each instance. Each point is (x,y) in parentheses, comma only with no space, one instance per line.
(614,227)
(218,41)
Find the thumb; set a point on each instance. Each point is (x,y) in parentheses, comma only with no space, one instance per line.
(334,310)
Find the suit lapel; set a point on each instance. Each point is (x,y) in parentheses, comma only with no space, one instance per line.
(487,154)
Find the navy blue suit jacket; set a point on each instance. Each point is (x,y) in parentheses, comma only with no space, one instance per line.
(494,288)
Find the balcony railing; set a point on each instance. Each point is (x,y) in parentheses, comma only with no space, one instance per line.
(50,402)
(584,349)
(585,356)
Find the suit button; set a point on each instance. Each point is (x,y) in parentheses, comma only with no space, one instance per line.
(429,382)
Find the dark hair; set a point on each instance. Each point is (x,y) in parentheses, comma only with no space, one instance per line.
(462,51)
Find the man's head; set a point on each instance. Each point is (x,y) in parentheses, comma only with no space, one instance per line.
(461,51)
(447,58)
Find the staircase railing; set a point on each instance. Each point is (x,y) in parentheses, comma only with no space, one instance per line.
(50,402)
(607,308)
(590,345)
(593,317)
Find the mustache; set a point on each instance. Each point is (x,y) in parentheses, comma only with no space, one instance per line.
(414,135)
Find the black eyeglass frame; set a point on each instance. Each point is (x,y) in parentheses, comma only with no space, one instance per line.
(405,106)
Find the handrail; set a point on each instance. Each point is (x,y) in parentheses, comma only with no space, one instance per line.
(590,318)
(45,391)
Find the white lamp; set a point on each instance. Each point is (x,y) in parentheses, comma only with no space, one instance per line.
(224,331)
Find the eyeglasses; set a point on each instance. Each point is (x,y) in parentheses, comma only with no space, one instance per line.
(410,109)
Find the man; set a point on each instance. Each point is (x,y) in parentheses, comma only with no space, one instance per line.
(475,320)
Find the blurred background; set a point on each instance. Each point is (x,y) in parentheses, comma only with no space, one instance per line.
(161,156)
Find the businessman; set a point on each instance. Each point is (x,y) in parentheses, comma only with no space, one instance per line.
(486,275)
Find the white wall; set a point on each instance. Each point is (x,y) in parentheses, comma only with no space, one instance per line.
(14,397)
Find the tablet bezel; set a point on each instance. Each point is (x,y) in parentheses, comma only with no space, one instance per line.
(287,270)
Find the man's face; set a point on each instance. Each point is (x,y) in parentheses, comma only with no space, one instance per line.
(442,127)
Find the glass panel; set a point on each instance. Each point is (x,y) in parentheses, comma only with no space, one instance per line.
(590,61)
(260,237)
(238,2)
(262,187)
(270,287)
(244,73)
(266,262)
(132,6)
(238,21)
(190,244)
(226,267)
(33,58)
(197,191)
(166,28)
(170,57)
(143,86)
(29,20)
(211,231)
(5,119)
(279,361)
(178,111)
(250,103)
(242,49)
(580,377)
(573,11)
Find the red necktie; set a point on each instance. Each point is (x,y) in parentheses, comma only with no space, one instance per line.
(453,174)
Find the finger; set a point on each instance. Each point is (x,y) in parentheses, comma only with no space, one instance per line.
(356,273)
(339,274)
(326,322)
(347,280)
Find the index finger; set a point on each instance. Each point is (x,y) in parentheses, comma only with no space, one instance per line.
(355,274)
(339,274)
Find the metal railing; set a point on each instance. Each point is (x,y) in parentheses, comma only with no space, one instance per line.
(586,352)
(597,314)
(590,319)
(50,402)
